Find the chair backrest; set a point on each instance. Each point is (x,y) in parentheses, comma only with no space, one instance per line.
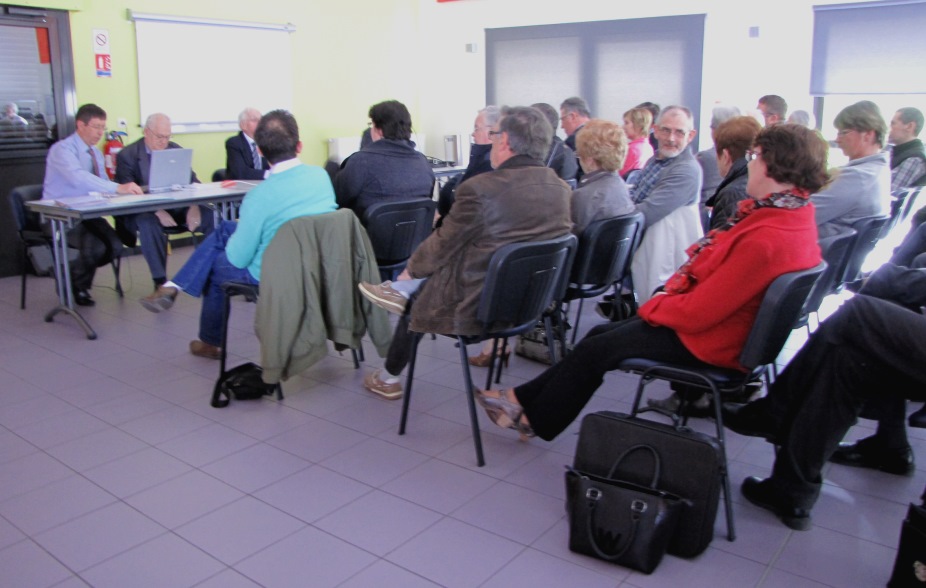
(219,175)
(781,306)
(835,252)
(521,282)
(605,251)
(397,227)
(869,231)
(912,195)
(898,206)
(25,219)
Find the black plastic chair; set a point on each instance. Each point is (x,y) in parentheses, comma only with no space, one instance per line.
(520,284)
(219,175)
(603,259)
(781,306)
(396,228)
(835,252)
(912,195)
(31,234)
(868,231)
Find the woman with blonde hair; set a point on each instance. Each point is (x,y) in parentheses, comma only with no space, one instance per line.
(637,124)
(601,148)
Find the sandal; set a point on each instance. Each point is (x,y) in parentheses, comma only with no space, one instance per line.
(505,413)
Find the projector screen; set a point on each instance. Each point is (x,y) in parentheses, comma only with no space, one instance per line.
(202,73)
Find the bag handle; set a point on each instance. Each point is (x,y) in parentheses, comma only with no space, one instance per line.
(657,464)
(637,508)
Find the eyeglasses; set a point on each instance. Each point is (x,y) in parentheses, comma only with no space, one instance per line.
(97,127)
(844,132)
(159,136)
(753,155)
(493,134)
(672,132)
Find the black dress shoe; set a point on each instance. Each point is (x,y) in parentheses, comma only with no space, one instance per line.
(868,453)
(83,298)
(749,420)
(918,418)
(761,493)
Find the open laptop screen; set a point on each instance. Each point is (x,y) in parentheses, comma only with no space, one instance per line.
(170,168)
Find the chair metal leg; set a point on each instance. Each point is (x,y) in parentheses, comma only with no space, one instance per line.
(22,290)
(725,474)
(353,353)
(471,400)
(575,329)
(551,344)
(501,362)
(117,266)
(406,398)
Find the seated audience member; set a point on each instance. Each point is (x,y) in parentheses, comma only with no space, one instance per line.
(704,314)
(133,165)
(871,348)
(637,125)
(521,200)
(562,158)
(667,193)
(773,109)
(233,252)
(733,141)
(389,168)
(75,168)
(908,158)
(573,114)
(601,193)
(710,174)
(863,186)
(243,161)
(803,118)
(479,158)
(653,110)
(13,126)
(11,115)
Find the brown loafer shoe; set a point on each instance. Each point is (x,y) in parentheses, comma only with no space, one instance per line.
(201,349)
(161,299)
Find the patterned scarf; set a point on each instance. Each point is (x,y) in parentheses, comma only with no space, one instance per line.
(682,281)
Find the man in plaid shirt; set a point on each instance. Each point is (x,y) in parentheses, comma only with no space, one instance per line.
(908,158)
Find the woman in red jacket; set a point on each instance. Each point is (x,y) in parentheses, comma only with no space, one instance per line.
(709,305)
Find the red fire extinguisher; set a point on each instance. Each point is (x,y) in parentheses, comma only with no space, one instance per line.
(112,148)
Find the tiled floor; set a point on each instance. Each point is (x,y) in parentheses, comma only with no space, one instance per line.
(115,471)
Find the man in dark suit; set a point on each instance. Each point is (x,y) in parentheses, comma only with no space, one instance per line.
(242,159)
(133,165)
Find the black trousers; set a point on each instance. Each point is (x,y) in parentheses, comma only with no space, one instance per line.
(555,398)
(97,244)
(869,348)
(403,340)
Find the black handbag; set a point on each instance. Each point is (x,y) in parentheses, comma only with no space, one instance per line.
(243,382)
(619,521)
(910,565)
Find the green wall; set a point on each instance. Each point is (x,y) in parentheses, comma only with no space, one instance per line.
(347,55)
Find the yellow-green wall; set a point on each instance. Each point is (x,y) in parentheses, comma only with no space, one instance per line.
(347,55)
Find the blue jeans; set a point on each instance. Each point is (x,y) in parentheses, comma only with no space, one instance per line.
(203,275)
(153,239)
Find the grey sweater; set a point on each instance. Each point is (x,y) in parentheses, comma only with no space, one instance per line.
(861,188)
(679,183)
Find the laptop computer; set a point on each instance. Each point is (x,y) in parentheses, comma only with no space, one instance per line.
(170,169)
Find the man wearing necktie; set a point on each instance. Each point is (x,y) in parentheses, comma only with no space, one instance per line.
(75,168)
(242,159)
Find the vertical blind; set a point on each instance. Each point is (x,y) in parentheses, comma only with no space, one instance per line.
(869,48)
(614,65)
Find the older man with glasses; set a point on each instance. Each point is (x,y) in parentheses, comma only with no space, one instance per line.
(862,187)
(667,193)
(132,165)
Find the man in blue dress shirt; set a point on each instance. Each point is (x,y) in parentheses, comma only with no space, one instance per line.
(75,168)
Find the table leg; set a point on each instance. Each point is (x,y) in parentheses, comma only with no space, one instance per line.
(63,277)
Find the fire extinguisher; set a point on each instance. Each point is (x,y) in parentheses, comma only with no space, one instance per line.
(112,148)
